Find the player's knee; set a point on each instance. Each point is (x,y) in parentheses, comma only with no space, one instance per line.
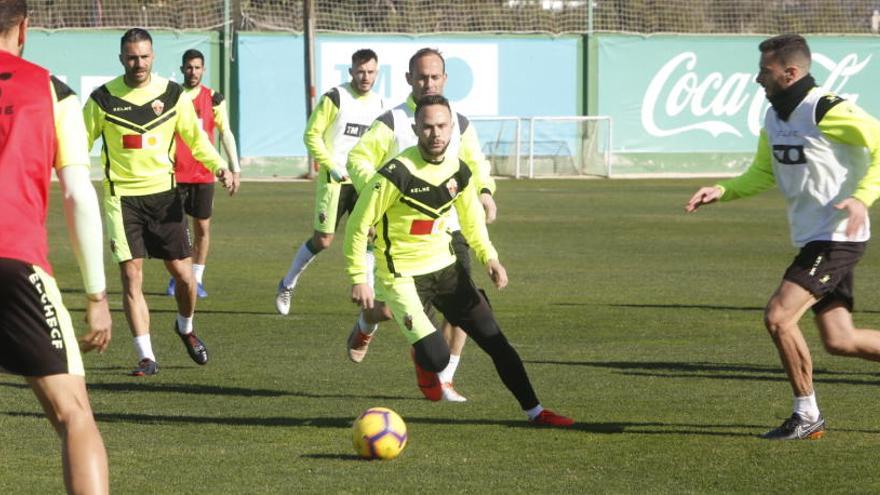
(431,352)
(776,322)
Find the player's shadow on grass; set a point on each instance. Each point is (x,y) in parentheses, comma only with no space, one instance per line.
(717,371)
(695,306)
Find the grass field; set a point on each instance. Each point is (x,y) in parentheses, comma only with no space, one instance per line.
(641,322)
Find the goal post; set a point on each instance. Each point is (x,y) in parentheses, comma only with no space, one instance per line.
(546,146)
(569,146)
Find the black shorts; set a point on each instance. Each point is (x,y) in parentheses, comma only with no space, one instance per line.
(825,268)
(198,199)
(462,251)
(36,333)
(153,225)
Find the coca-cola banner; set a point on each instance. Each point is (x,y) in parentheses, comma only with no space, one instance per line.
(691,104)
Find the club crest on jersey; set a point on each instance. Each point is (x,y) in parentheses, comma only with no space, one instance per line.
(452,186)
(408,322)
(322,217)
(158,107)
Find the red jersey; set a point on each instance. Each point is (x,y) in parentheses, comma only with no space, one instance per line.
(28,145)
(186,168)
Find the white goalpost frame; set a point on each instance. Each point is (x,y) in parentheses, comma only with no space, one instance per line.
(517,137)
(581,118)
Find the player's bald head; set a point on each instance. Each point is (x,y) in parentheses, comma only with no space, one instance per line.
(788,49)
(12,12)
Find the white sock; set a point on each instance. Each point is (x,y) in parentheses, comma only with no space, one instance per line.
(184,324)
(806,407)
(198,272)
(144,347)
(535,411)
(366,328)
(370,259)
(303,257)
(448,372)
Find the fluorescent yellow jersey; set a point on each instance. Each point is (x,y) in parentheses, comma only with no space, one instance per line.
(340,118)
(407,200)
(138,126)
(392,133)
(827,150)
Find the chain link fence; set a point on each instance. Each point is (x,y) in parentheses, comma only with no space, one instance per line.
(471,16)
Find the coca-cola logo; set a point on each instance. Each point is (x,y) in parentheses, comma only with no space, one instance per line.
(715,102)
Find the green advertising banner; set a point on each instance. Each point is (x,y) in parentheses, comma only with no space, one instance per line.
(690,104)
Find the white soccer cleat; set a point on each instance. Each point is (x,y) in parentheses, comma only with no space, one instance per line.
(451,395)
(358,343)
(282,299)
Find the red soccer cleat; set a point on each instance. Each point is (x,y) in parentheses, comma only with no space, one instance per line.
(550,418)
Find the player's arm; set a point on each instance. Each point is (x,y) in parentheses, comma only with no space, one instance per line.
(473,226)
(187,126)
(471,153)
(321,118)
(227,139)
(371,151)
(377,196)
(82,214)
(756,179)
(94,122)
(844,122)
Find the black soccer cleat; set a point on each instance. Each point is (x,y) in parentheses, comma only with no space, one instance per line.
(194,346)
(797,428)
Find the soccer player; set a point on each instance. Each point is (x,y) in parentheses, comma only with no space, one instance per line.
(407,200)
(341,117)
(390,134)
(823,152)
(195,182)
(137,115)
(41,128)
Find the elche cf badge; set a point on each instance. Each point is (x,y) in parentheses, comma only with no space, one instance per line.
(452,186)
(158,107)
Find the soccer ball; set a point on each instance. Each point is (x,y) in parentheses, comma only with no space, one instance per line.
(379,433)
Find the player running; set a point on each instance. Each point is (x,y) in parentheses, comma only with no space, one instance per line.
(341,117)
(137,115)
(407,201)
(42,129)
(824,154)
(195,182)
(390,134)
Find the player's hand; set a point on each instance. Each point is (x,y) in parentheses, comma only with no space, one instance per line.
(497,273)
(100,326)
(236,183)
(339,174)
(858,215)
(226,178)
(489,206)
(362,295)
(702,197)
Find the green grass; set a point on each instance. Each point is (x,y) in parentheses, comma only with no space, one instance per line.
(640,321)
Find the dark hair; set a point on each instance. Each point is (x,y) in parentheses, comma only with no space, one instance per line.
(424,52)
(363,56)
(429,100)
(191,54)
(12,12)
(787,48)
(134,35)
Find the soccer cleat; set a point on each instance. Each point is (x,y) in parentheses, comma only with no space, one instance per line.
(450,394)
(194,346)
(358,342)
(282,298)
(200,289)
(797,428)
(550,418)
(428,381)
(145,367)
